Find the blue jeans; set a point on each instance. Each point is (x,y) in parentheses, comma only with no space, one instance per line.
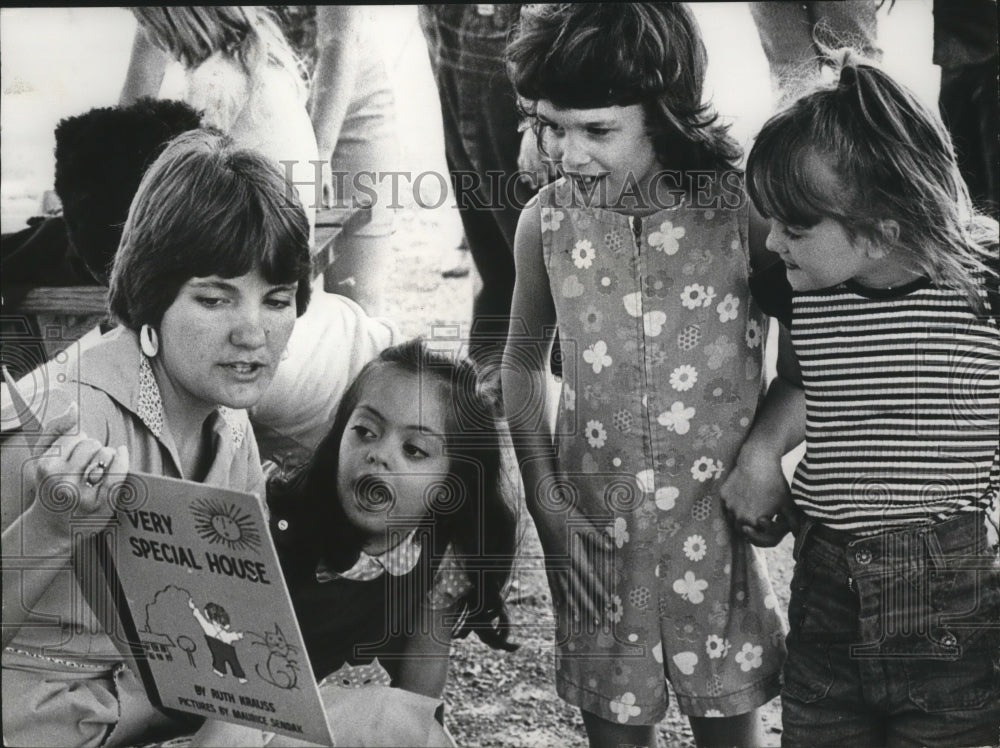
(789,31)
(894,640)
(480,118)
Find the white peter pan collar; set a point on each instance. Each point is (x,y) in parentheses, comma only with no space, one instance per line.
(397,561)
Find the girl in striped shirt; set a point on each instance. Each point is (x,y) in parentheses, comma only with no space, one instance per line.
(887,295)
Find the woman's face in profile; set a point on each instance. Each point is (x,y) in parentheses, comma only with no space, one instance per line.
(222,339)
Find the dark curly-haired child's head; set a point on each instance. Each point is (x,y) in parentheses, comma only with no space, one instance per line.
(101,156)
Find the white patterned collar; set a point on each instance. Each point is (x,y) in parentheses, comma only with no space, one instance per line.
(149,406)
(116,366)
(397,561)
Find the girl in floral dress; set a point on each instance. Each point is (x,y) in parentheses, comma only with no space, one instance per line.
(640,257)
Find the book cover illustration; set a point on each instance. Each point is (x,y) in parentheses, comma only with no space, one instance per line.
(209,623)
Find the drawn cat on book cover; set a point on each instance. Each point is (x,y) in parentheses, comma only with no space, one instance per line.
(281,670)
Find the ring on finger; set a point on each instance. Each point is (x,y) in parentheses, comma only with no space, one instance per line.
(95,473)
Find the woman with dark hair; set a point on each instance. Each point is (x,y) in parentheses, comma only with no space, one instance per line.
(212,271)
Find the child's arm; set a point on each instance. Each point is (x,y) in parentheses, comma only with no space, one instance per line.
(334,79)
(756,491)
(228,636)
(206,625)
(424,668)
(525,361)
(563,532)
(146,69)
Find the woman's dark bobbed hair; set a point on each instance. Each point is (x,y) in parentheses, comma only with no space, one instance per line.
(207,207)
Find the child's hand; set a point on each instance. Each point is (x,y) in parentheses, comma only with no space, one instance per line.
(756,493)
(578,563)
(767,532)
(579,570)
(328,197)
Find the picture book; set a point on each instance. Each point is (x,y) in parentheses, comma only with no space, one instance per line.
(196,601)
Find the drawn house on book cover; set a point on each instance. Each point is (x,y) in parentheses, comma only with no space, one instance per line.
(195,599)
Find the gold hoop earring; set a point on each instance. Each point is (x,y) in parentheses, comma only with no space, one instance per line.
(148,341)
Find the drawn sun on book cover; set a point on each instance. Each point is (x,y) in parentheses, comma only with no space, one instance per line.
(218,522)
(208,618)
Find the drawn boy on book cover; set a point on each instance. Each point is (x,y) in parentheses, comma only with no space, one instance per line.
(220,637)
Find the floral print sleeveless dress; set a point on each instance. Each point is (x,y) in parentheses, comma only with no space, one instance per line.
(662,373)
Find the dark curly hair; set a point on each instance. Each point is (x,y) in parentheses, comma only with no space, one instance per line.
(101,156)
(215,612)
(474,519)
